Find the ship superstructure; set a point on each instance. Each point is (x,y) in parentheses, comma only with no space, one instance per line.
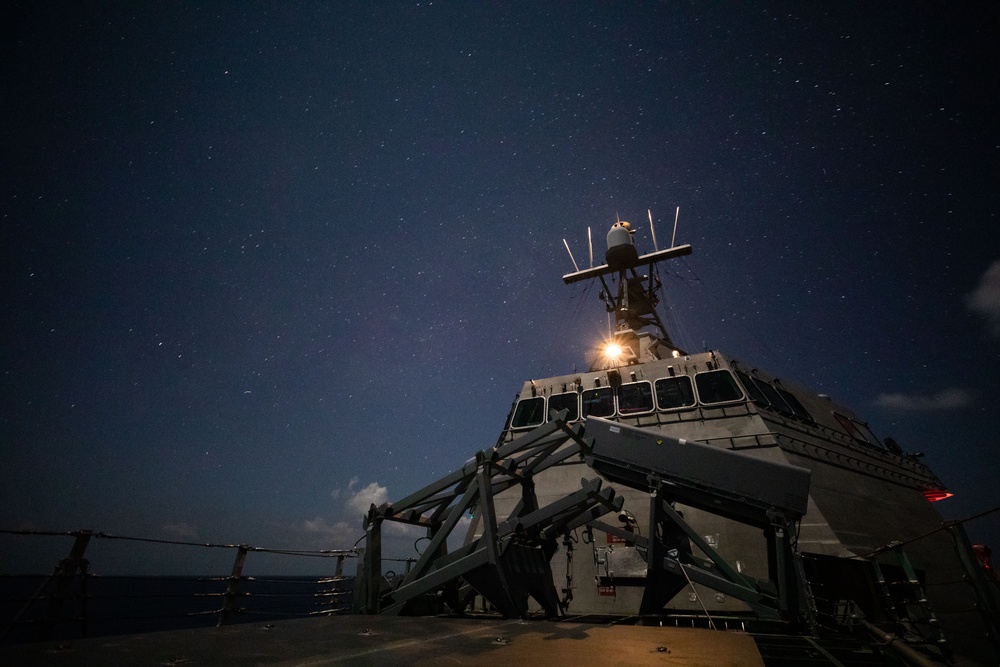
(675,485)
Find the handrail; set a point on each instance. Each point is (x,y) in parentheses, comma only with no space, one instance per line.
(110,536)
(944,526)
(64,597)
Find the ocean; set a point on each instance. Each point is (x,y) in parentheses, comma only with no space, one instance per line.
(37,608)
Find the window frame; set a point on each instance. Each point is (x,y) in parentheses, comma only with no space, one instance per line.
(690,383)
(570,417)
(517,407)
(859,432)
(652,399)
(583,402)
(735,385)
(795,404)
(752,389)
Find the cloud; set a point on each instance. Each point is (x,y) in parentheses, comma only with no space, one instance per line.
(360,500)
(985,299)
(324,534)
(179,530)
(337,530)
(947,399)
(357,498)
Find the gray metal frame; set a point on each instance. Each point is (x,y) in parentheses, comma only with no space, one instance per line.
(771,496)
(510,560)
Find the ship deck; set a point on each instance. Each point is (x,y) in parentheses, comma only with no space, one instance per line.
(396,641)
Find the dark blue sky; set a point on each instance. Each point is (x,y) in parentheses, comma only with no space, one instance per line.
(264,264)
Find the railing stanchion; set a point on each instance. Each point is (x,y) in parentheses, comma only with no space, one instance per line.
(233,592)
(63,576)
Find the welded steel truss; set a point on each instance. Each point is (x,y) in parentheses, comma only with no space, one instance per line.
(672,565)
(713,480)
(509,561)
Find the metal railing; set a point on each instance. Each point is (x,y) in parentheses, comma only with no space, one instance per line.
(75,602)
(882,588)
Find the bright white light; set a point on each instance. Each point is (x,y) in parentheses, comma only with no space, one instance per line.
(612,350)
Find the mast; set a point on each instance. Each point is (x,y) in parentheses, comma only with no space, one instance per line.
(634,297)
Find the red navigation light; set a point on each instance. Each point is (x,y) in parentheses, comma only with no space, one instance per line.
(934,495)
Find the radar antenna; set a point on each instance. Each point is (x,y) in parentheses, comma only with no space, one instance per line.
(590,244)
(676,218)
(635,296)
(573,260)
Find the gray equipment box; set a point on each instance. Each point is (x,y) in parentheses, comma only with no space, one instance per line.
(743,487)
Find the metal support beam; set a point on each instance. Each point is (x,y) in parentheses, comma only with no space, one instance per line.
(986,596)
(370,583)
(63,576)
(233,590)
(509,561)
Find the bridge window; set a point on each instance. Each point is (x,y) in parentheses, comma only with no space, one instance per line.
(529,412)
(717,387)
(860,432)
(675,392)
(869,436)
(796,405)
(635,397)
(774,398)
(599,402)
(569,401)
(756,395)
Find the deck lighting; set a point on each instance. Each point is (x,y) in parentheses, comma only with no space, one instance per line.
(613,351)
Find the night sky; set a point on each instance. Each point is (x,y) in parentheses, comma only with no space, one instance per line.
(263,265)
